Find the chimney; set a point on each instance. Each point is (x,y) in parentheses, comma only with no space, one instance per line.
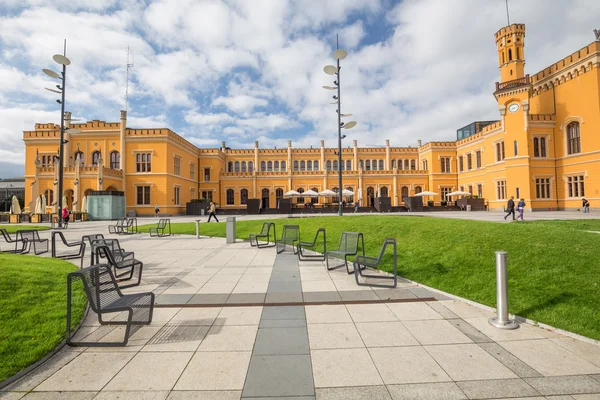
(223,145)
(419,142)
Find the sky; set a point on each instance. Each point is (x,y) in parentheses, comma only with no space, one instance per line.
(246,70)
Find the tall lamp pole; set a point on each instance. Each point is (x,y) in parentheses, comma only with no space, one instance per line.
(64,61)
(333,70)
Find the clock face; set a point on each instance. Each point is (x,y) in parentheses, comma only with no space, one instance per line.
(513,108)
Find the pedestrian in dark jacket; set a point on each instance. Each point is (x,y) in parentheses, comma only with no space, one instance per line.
(510,208)
(521,209)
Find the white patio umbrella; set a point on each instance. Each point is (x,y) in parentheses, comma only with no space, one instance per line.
(359,194)
(84,204)
(310,193)
(64,202)
(38,205)
(328,193)
(347,192)
(44,202)
(15,208)
(426,194)
(291,193)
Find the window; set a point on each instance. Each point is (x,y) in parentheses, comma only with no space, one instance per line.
(406,164)
(418,189)
(276,166)
(368,165)
(229,196)
(393,164)
(404,192)
(573,138)
(471,190)
(478,158)
(192,193)
(445,192)
(516,148)
(263,166)
(424,165)
(480,190)
(278,195)
(445,163)
(49,193)
(348,165)
(300,199)
(244,196)
(77,153)
(250,166)
(244,166)
(499,151)
(176,192)
(302,165)
(270,166)
(361,164)
(469,162)
(374,165)
(95,158)
(335,165)
(536,147)
(309,166)
(237,166)
(177,166)
(384,191)
(315,166)
(283,166)
(413,164)
(115,160)
(206,174)
(542,147)
(296,165)
(575,186)
(381,165)
(501,190)
(230,166)
(143,195)
(328,164)
(400,165)
(314,200)
(207,195)
(349,199)
(143,162)
(460,163)
(509,54)
(192,171)
(542,188)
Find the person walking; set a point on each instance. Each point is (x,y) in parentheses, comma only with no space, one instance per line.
(212,211)
(356,206)
(510,207)
(156,210)
(586,206)
(65,216)
(521,209)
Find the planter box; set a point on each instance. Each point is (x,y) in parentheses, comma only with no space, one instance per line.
(4,218)
(253,206)
(84,216)
(476,204)
(196,207)
(45,217)
(15,218)
(383,204)
(25,218)
(36,218)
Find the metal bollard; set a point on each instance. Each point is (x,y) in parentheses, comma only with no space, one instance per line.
(230,230)
(502,321)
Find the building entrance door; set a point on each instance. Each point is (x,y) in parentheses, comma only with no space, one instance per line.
(265,198)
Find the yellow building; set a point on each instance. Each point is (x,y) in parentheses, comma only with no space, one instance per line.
(542,149)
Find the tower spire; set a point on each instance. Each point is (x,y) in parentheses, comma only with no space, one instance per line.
(507,14)
(129,65)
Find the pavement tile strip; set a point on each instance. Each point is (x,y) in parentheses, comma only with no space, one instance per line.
(236,322)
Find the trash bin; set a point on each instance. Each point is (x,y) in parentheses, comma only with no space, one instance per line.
(468,207)
(131,213)
(202,212)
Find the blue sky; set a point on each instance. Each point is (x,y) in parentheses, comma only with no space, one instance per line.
(241,70)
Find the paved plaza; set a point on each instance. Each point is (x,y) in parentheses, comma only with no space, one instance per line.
(235,322)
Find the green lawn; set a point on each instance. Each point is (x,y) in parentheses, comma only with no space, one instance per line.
(12,228)
(554,266)
(33,301)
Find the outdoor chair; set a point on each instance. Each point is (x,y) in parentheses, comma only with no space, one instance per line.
(118,227)
(104,296)
(348,246)
(131,226)
(9,239)
(265,234)
(115,247)
(124,268)
(290,235)
(302,256)
(72,255)
(54,223)
(362,262)
(29,238)
(159,230)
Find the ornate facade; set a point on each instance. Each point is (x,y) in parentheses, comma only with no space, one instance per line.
(543,149)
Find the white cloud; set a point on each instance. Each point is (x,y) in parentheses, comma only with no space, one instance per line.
(241,103)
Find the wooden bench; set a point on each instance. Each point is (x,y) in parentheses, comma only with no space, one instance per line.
(159,230)
(104,296)
(265,234)
(290,235)
(302,256)
(362,262)
(68,255)
(348,246)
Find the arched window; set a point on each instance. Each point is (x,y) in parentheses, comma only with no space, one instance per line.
(536,147)
(283,166)
(314,200)
(418,189)
(328,164)
(230,198)
(335,190)
(80,154)
(404,192)
(384,191)
(296,165)
(230,166)
(542,147)
(302,165)
(115,160)
(270,166)
(509,54)
(244,196)
(250,166)
(413,164)
(400,165)
(49,193)
(518,58)
(278,194)
(503,61)
(406,164)
(244,166)
(368,165)
(381,165)
(309,166)
(335,165)
(374,165)
(361,164)
(95,158)
(276,166)
(393,164)
(516,148)
(237,166)
(265,193)
(315,165)
(350,199)
(573,138)
(263,166)
(300,199)
(348,165)
(343,165)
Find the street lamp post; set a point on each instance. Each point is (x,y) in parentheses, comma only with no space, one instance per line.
(64,61)
(333,70)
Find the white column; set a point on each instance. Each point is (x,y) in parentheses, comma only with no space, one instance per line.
(355,161)
(387,154)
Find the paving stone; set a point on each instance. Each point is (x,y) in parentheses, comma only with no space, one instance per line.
(281,375)
(354,393)
(596,377)
(19,395)
(239,316)
(582,397)
(60,395)
(204,395)
(276,341)
(588,351)
(334,336)
(229,338)
(196,316)
(370,313)
(469,331)
(284,286)
(466,310)
(555,385)
(321,297)
(177,337)
(407,365)
(385,334)
(394,294)
(282,323)
(427,391)
(413,311)
(215,371)
(524,332)
(283,312)
(246,298)
(492,389)
(357,295)
(344,367)
(436,332)
(206,298)
(424,293)
(285,275)
(327,314)
(509,360)
(442,310)
(173,298)
(281,398)
(284,297)
(132,395)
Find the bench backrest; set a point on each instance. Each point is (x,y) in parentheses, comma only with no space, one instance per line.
(161,224)
(105,252)
(266,228)
(291,232)
(91,238)
(100,285)
(30,235)
(6,235)
(349,242)
(112,244)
